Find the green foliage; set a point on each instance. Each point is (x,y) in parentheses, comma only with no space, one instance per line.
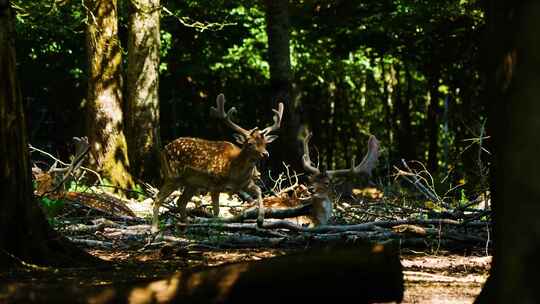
(463,200)
(166,44)
(249,53)
(138,192)
(359,68)
(51,207)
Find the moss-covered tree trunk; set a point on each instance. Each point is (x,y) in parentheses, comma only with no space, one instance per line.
(513,67)
(288,148)
(25,234)
(142,109)
(104,98)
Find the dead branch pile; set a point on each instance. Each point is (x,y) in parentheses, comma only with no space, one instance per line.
(99,219)
(411,226)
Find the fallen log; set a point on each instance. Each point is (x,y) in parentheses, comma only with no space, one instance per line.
(91,243)
(275,213)
(354,273)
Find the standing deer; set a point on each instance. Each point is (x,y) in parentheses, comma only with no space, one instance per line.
(216,166)
(322,206)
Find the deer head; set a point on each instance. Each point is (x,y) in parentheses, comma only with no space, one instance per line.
(366,166)
(253,141)
(319,180)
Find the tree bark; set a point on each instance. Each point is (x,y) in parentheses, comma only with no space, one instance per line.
(104,98)
(512,65)
(25,234)
(387,109)
(433,123)
(277,28)
(142,109)
(406,142)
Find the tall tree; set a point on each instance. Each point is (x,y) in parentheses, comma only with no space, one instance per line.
(405,137)
(513,54)
(24,232)
(142,109)
(432,121)
(279,60)
(104,98)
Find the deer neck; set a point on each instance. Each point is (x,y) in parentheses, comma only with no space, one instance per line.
(243,163)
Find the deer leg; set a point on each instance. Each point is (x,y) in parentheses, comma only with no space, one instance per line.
(163,193)
(215,203)
(183,200)
(252,187)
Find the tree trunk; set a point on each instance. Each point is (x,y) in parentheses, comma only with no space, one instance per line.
(277,28)
(406,142)
(25,234)
(387,109)
(433,123)
(142,109)
(513,62)
(104,110)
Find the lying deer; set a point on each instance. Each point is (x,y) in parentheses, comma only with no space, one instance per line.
(216,166)
(322,206)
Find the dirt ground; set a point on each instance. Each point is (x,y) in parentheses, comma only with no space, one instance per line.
(442,278)
(429,278)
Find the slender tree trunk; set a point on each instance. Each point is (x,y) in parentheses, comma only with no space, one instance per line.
(433,123)
(25,234)
(142,109)
(330,150)
(104,108)
(406,142)
(277,22)
(387,109)
(513,62)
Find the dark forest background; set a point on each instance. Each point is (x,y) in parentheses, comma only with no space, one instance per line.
(405,71)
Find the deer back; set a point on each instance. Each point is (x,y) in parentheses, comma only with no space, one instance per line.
(212,157)
(218,165)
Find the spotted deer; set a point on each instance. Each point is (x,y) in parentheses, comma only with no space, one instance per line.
(215,166)
(319,180)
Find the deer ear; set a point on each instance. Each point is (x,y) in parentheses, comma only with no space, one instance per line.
(239,138)
(271,138)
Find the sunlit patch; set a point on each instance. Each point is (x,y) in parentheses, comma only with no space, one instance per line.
(159,291)
(228,281)
(378,248)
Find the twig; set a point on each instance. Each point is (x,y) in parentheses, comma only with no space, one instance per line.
(416,180)
(200,26)
(32,148)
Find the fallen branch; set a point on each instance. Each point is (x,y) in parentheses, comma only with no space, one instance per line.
(246,226)
(91,243)
(82,229)
(274,213)
(244,241)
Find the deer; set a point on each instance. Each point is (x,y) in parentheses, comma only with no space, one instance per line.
(215,166)
(320,180)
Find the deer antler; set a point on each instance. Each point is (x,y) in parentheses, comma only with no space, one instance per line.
(219,112)
(278,114)
(306,160)
(368,163)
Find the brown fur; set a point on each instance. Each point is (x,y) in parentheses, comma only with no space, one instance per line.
(215,166)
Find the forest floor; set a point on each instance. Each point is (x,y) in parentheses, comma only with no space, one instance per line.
(429,278)
(441,263)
